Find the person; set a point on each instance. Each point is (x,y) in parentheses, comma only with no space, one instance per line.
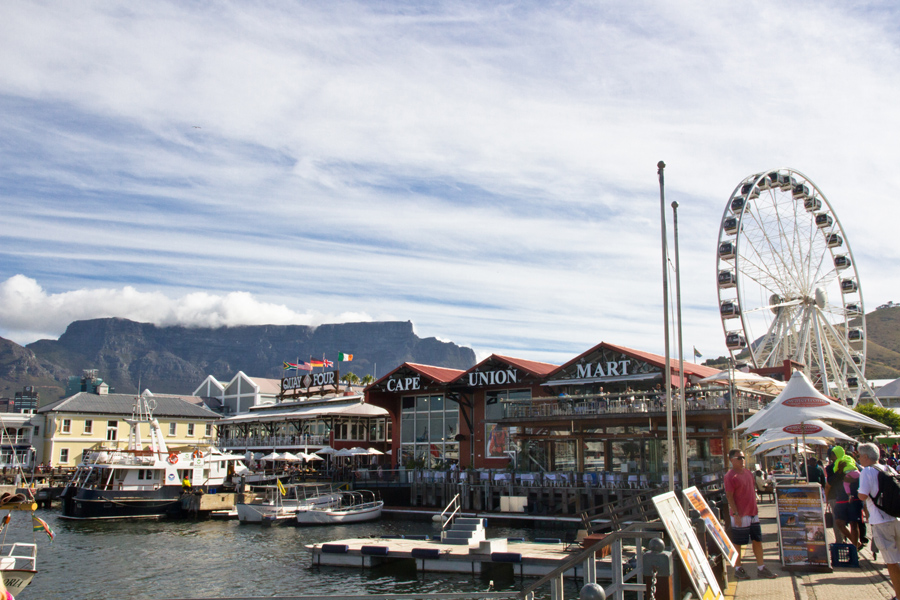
(186,483)
(847,509)
(885,528)
(740,489)
(833,488)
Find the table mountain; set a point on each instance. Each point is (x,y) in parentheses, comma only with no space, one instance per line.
(177,359)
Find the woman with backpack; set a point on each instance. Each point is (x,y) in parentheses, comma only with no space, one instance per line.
(885,528)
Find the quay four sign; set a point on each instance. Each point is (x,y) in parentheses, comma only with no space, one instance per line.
(309,380)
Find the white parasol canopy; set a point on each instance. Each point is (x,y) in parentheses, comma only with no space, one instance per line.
(344,452)
(789,451)
(779,443)
(800,402)
(814,429)
(746,380)
(272,456)
(291,457)
(357,451)
(374,451)
(312,457)
(326,450)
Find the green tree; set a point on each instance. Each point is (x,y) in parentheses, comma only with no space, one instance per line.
(350,378)
(880,414)
(368,379)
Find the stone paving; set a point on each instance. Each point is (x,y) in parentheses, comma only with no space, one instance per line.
(868,582)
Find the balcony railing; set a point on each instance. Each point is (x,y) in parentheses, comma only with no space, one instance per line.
(566,406)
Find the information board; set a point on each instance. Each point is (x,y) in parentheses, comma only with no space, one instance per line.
(801,526)
(713,525)
(687,546)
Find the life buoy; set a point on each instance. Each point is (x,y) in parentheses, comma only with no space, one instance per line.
(173,458)
(197,454)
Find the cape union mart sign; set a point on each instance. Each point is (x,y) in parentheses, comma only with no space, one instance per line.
(309,380)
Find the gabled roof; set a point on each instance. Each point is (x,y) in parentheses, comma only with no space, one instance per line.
(123,404)
(648,357)
(438,374)
(890,390)
(533,367)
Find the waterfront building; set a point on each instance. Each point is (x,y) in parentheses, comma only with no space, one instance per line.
(309,412)
(603,411)
(241,393)
(96,420)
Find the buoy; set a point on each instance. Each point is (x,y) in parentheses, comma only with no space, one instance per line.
(173,458)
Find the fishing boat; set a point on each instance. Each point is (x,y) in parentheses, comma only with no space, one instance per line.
(149,481)
(272,504)
(349,507)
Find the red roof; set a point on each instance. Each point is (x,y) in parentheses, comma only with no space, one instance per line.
(439,374)
(532,366)
(655,359)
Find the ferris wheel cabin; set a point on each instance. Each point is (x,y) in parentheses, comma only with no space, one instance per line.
(855,335)
(841,261)
(738,204)
(726,279)
(729,309)
(730,225)
(834,240)
(848,286)
(726,250)
(823,221)
(734,340)
(812,204)
(853,310)
(800,192)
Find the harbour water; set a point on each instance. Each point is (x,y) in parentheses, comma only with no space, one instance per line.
(154,560)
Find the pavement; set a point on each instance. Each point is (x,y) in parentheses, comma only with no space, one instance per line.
(868,582)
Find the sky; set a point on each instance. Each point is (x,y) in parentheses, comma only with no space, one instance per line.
(486,170)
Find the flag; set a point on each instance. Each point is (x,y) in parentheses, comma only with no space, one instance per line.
(327,363)
(40,524)
(344,357)
(300,366)
(697,353)
(316,363)
(281,487)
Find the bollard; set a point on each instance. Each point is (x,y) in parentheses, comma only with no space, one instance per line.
(592,591)
(659,571)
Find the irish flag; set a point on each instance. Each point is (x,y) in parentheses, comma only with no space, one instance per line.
(344,357)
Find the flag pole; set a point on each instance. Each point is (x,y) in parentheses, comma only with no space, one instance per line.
(682,418)
(668,367)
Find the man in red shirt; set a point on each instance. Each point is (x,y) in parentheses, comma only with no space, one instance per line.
(740,488)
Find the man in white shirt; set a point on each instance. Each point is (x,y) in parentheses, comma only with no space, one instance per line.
(885,528)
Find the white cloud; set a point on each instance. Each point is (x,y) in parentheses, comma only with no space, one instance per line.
(29,313)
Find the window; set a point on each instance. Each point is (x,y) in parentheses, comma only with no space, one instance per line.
(63,455)
(209,430)
(37,431)
(88,425)
(66,426)
(112,428)
(191,429)
(172,428)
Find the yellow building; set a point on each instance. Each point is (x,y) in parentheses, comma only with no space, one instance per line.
(90,421)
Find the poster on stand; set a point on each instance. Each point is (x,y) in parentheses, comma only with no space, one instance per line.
(801,527)
(713,525)
(687,546)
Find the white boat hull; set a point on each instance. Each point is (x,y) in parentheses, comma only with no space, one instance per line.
(356,514)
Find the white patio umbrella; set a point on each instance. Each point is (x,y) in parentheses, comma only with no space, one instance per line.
(790,451)
(799,403)
(312,457)
(779,443)
(344,452)
(291,457)
(326,450)
(746,380)
(813,429)
(374,451)
(357,451)
(272,456)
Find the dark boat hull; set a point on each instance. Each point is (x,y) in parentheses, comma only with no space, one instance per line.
(81,503)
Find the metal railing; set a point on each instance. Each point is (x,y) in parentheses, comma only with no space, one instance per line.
(622,576)
(619,404)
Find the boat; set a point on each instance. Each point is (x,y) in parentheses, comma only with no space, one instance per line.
(18,560)
(350,507)
(149,481)
(272,504)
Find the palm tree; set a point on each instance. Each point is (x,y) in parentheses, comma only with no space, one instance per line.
(350,378)
(367,379)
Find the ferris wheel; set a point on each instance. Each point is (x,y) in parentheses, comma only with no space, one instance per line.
(788,285)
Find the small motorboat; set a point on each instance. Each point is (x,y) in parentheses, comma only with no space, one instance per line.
(349,507)
(272,504)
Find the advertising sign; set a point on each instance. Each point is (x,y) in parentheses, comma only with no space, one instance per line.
(712,524)
(801,526)
(687,546)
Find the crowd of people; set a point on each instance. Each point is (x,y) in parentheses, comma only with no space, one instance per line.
(850,481)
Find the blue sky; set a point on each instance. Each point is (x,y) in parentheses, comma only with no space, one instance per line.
(485,170)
